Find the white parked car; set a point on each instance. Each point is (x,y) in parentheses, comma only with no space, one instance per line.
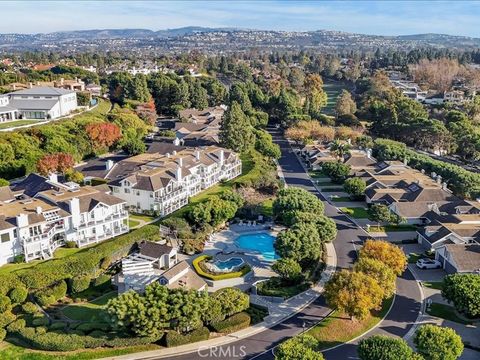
(428,264)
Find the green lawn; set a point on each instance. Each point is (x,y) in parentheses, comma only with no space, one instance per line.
(355,212)
(445,312)
(13,352)
(16,123)
(133,223)
(437,285)
(331,189)
(333,90)
(413,257)
(136,217)
(267,208)
(91,311)
(342,199)
(338,328)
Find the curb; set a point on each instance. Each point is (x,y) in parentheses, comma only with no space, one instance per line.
(422,312)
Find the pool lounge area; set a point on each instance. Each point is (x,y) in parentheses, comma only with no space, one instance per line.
(252,244)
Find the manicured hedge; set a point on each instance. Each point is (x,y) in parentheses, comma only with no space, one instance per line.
(16,326)
(30,308)
(85,262)
(6,318)
(60,341)
(18,294)
(59,325)
(51,294)
(233,323)
(173,338)
(80,283)
(88,327)
(101,280)
(40,321)
(3,333)
(197,266)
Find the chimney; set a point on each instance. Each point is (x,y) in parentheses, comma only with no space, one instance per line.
(176,142)
(30,85)
(180,162)
(197,154)
(178,174)
(74,206)
(39,209)
(168,155)
(62,81)
(109,164)
(53,177)
(174,152)
(405,161)
(369,153)
(439,179)
(433,174)
(14,87)
(222,156)
(444,186)
(22,220)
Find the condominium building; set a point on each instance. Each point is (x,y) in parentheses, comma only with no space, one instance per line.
(165,182)
(36,226)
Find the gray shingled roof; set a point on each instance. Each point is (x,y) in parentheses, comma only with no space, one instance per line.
(42,90)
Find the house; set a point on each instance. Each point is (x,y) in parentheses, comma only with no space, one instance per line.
(35,226)
(37,103)
(409,89)
(459,258)
(211,116)
(164,256)
(182,276)
(94,89)
(164,183)
(454,96)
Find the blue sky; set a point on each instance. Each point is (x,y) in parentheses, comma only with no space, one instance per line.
(368,17)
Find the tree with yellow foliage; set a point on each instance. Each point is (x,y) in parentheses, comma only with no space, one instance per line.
(390,254)
(354,293)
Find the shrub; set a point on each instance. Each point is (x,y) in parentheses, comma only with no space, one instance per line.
(101,280)
(233,323)
(58,325)
(16,326)
(52,294)
(129,341)
(337,171)
(301,347)
(438,343)
(3,334)
(464,291)
(41,330)
(40,321)
(88,327)
(105,262)
(30,308)
(380,347)
(5,304)
(70,244)
(6,318)
(79,284)
(174,338)
(18,294)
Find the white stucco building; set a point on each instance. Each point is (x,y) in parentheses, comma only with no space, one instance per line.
(35,226)
(164,183)
(37,103)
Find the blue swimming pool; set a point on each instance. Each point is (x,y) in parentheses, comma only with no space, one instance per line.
(228,264)
(261,242)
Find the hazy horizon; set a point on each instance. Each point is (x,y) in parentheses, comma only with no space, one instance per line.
(387,18)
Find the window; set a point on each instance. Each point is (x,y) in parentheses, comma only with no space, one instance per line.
(5,237)
(127,191)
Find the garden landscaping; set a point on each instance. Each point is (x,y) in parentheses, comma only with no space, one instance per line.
(355,212)
(446,312)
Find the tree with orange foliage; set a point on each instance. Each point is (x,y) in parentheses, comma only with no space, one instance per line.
(103,135)
(58,162)
(390,254)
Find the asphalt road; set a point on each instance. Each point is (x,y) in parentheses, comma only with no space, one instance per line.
(401,317)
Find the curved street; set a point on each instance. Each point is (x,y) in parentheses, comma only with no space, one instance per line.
(398,322)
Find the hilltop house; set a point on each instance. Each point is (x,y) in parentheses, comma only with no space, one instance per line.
(37,103)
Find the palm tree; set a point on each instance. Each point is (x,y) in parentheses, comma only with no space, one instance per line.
(340,149)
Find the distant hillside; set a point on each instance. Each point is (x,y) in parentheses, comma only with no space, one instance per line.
(224,39)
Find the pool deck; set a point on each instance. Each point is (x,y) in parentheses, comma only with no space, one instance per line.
(222,245)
